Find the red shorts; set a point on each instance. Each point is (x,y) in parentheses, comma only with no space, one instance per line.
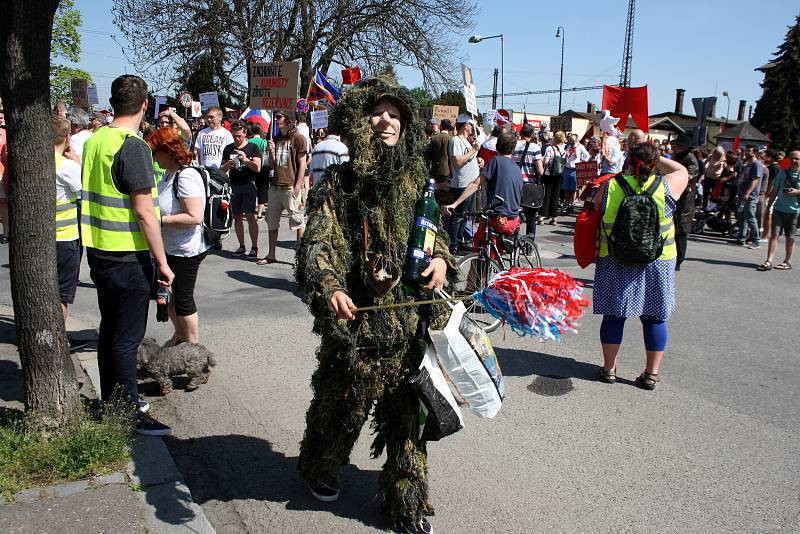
(501,225)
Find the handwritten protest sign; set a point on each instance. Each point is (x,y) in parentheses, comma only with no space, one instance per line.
(93,94)
(274,85)
(585,171)
(208,100)
(197,109)
(80,93)
(445,112)
(471,99)
(319,119)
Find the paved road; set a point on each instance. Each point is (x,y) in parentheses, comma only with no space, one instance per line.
(713,449)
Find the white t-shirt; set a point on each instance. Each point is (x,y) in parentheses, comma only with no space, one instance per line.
(181,241)
(303,129)
(330,151)
(68,180)
(462,176)
(209,146)
(77,140)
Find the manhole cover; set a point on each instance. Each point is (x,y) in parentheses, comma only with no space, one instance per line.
(551,386)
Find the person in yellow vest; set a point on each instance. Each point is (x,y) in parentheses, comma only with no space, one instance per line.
(623,290)
(68,186)
(120,228)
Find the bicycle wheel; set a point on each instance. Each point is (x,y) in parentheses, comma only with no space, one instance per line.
(527,254)
(476,272)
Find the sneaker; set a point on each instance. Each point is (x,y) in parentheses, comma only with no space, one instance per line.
(323,492)
(239,251)
(740,243)
(76,344)
(253,254)
(3,239)
(422,527)
(147,426)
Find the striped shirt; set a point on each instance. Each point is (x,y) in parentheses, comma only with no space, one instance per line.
(330,151)
(531,156)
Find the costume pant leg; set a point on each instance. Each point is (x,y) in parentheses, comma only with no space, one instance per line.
(404,478)
(338,410)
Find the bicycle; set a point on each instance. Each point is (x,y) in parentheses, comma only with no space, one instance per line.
(478,268)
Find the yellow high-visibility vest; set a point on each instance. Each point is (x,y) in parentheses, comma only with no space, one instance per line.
(66,213)
(616,194)
(108,221)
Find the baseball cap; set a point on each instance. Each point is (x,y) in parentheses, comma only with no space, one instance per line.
(434,122)
(463,118)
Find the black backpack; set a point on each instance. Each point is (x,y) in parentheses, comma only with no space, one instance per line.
(636,238)
(217,218)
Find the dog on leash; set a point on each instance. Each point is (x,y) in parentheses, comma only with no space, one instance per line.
(162,363)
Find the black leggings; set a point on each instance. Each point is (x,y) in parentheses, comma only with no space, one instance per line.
(552,188)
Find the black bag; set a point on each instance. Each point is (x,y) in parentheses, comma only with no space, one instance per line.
(636,238)
(217,218)
(558,163)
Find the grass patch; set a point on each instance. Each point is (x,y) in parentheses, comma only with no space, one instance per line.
(34,455)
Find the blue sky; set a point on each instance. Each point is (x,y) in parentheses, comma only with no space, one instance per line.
(703,46)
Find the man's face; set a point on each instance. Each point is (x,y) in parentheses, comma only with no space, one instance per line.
(239,137)
(385,122)
(794,160)
(750,153)
(214,119)
(282,122)
(165,122)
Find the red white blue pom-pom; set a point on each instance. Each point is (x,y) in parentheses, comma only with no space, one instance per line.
(540,303)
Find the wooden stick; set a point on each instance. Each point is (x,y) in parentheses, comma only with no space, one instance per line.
(410,304)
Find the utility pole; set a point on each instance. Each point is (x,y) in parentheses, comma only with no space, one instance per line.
(627,52)
(494,91)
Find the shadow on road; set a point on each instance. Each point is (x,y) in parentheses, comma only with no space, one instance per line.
(746,265)
(266,282)
(237,467)
(516,362)
(8,330)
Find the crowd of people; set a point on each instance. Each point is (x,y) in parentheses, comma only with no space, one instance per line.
(134,197)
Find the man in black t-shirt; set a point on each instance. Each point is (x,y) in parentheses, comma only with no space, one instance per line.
(242,161)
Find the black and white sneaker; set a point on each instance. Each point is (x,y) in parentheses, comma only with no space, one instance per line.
(423,526)
(323,492)
(147,426)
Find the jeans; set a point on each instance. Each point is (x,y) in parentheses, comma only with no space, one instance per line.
(123,296)
(746,214)
(458,220)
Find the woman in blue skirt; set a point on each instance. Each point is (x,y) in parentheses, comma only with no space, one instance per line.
(647,292)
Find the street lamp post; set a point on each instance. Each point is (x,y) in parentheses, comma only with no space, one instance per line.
(727,111)
(477,39)
(560,32)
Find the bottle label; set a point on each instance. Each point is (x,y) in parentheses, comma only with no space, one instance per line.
(430,235)
(417,254)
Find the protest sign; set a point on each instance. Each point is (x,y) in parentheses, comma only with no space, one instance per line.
(445,112)
(159,106)
(197,109)
(93,94)
(471,99)
(208,100)
(466,75)
(585,171)
(319,119)
(274,85)
(561,123)
(80,93)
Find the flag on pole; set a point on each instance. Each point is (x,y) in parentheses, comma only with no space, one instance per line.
(321,89)
(627,101)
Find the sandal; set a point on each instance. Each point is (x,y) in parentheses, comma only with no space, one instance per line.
(647,380)
(766,266)
(239,251)
(266,261)
(609,377)
(253,253)
(784,266)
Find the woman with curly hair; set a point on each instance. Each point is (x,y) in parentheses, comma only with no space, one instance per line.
(182,199)
(359,211)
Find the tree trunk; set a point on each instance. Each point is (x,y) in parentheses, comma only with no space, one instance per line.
(50,382)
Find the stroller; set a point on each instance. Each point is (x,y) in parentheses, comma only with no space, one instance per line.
(718,216)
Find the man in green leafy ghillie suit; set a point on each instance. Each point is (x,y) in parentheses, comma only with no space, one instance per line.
(359,211)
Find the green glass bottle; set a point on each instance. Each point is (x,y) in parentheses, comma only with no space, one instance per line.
(423,236)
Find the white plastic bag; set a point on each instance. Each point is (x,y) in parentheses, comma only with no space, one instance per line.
(469,364)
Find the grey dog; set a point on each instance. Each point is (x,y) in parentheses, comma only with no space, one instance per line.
(161,363)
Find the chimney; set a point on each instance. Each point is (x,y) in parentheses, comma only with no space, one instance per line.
(679,100)
(742,108)
(590,108)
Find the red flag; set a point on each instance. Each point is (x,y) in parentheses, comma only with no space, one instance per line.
(351,75)
(736,142)
(625,101)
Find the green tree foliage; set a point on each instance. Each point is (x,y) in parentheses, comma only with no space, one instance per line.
(200,76)
(66,45)
(777,109)
(423,97)
(452,98)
